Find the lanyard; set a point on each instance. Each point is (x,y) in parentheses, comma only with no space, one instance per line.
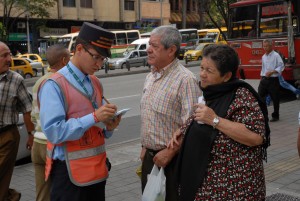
(82,86)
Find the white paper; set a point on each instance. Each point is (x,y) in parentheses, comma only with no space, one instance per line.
(121,112)
(202,101)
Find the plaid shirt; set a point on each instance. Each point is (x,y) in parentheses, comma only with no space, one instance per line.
(14,98)
(167,101)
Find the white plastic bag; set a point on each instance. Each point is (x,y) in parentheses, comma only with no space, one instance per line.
(155,189)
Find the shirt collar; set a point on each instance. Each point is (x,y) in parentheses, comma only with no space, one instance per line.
(158,73)
(3,75)
(78,72)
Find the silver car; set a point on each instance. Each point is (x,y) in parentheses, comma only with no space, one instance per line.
(135,58)
(23,151)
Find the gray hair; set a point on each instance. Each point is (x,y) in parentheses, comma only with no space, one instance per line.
(269,41)
(169,36)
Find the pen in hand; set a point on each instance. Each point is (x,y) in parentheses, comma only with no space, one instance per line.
(106,100)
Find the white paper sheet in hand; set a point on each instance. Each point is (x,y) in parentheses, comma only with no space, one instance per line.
(121,112)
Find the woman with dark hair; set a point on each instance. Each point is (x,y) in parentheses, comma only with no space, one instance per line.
(224,143)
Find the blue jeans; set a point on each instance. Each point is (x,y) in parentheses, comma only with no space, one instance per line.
(287,85)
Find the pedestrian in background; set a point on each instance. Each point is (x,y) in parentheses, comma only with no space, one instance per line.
(221,158)
(14,99)
(272,66)
(169,93)
(57,56)
(73,117)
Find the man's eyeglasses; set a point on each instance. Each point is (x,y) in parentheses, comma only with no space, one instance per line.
(95,57)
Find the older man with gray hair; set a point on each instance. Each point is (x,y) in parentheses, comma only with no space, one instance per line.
(169,93)
(272,66)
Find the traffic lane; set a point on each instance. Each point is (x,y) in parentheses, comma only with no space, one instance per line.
(129,129)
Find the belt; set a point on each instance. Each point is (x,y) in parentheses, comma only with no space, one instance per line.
(6,128)
(152,152)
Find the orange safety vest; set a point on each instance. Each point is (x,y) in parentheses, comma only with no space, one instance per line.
(85,157)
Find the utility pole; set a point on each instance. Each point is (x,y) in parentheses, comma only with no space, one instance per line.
(27,27)
(184,14)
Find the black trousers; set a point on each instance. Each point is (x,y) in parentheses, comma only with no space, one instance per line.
(270,86)
(62,189)
(171,183)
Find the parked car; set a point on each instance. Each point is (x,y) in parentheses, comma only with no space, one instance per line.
(33,57)
(196,54)
(36,66)
(22,66)
(23,152)
(190,45)
(136,58)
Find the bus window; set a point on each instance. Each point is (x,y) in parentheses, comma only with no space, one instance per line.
(242,20)
(188,34)
(132,36)
(121,38)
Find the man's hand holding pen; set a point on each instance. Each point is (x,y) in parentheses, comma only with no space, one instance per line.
(106,115)
(106,112)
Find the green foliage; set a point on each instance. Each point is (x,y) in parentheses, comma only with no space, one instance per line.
(218,12)
(14,9)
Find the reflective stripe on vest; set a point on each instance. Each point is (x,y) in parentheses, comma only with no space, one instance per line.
(86,153)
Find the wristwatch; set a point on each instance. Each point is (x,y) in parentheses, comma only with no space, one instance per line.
(216,121)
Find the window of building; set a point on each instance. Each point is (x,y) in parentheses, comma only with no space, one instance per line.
(86,4)
(69,3)
(129,5)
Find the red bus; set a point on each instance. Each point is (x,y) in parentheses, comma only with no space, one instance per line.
(252,21)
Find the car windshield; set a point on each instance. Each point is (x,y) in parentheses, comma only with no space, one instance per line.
(29,60)
(200,47)
(131,47)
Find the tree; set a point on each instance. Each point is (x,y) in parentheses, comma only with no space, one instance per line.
(14,9)
(218,12)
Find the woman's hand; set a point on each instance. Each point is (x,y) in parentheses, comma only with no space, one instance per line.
(204,114)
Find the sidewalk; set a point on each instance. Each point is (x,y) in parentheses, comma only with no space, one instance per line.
(282,169)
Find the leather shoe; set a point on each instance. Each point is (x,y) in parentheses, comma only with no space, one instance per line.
(13,195)
(274,119)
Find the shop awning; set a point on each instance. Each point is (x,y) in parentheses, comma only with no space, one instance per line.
(191,18)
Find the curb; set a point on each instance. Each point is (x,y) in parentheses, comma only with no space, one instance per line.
(30,82)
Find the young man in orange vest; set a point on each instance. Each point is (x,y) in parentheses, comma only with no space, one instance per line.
(76,120)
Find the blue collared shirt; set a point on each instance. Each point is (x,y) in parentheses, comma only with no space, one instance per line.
(53,113)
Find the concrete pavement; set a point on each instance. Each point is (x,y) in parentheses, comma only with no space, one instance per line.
(282,169)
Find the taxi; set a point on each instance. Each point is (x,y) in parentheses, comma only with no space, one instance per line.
(33,57)
(22,66)
(196,54)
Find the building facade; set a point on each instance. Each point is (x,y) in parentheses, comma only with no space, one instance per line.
(66,16)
